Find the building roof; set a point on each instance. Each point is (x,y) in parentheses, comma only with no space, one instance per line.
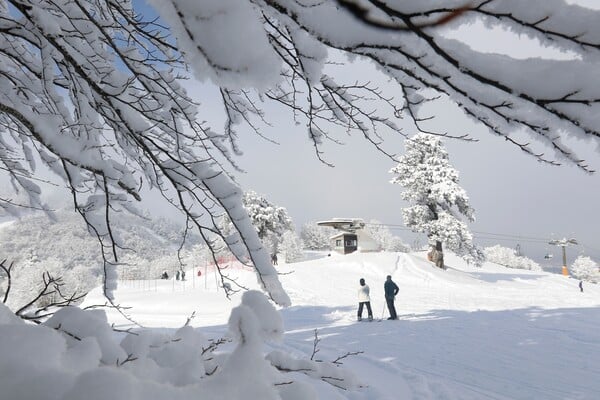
(344,224)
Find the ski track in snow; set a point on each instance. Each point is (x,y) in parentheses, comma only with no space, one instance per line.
(464,333)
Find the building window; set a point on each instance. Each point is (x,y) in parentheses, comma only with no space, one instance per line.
(338,243)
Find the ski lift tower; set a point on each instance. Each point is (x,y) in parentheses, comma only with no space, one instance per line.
(564,243)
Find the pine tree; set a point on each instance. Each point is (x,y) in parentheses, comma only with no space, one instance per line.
(266,217)
(269,220)
(431,186)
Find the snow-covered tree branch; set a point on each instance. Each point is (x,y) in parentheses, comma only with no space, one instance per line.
(93,91)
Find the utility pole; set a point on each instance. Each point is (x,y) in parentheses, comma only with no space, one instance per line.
(564,243)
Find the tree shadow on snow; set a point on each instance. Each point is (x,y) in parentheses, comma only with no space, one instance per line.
(493,277)
(522,353)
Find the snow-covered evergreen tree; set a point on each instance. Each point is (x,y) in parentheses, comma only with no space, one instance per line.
(586,269)
(269,220)
(266,217)
(431,187)
(316,237)
(291,247)
(509,258)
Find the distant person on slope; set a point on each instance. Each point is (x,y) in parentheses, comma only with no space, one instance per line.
(581,286)
(364,299)
(391,290)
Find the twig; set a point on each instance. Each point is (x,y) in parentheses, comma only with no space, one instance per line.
(315,348)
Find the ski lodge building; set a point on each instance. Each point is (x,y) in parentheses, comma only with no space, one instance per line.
(352,236)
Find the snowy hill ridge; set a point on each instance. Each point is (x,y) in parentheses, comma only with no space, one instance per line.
(424,287)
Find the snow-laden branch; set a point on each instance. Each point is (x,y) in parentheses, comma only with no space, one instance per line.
(93,92)
(96,93)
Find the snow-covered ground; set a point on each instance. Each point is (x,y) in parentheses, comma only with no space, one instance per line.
(463,333)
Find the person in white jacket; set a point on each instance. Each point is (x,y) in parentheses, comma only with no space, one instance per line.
(364,299)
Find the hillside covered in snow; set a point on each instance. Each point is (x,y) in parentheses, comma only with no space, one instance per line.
(60,244)
(463,333)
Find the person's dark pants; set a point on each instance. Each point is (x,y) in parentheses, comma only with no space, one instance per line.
(360,309)
(391,308)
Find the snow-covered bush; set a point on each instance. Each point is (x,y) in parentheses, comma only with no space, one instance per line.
(75,355)
(586,269)
(509,258)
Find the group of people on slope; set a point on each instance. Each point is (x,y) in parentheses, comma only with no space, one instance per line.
(179,275)
(390,289)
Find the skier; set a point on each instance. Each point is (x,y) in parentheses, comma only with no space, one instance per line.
(391,290)
(364,299)
(581,286)
(183,275)
(274,259)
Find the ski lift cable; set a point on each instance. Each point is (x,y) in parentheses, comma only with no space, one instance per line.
(490,236)
(589,247)
(511,236)
(515,238)
(509,239)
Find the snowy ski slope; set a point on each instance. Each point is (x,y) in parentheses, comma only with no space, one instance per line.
(463,333)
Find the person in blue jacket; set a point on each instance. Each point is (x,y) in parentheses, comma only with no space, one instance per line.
(391,290)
